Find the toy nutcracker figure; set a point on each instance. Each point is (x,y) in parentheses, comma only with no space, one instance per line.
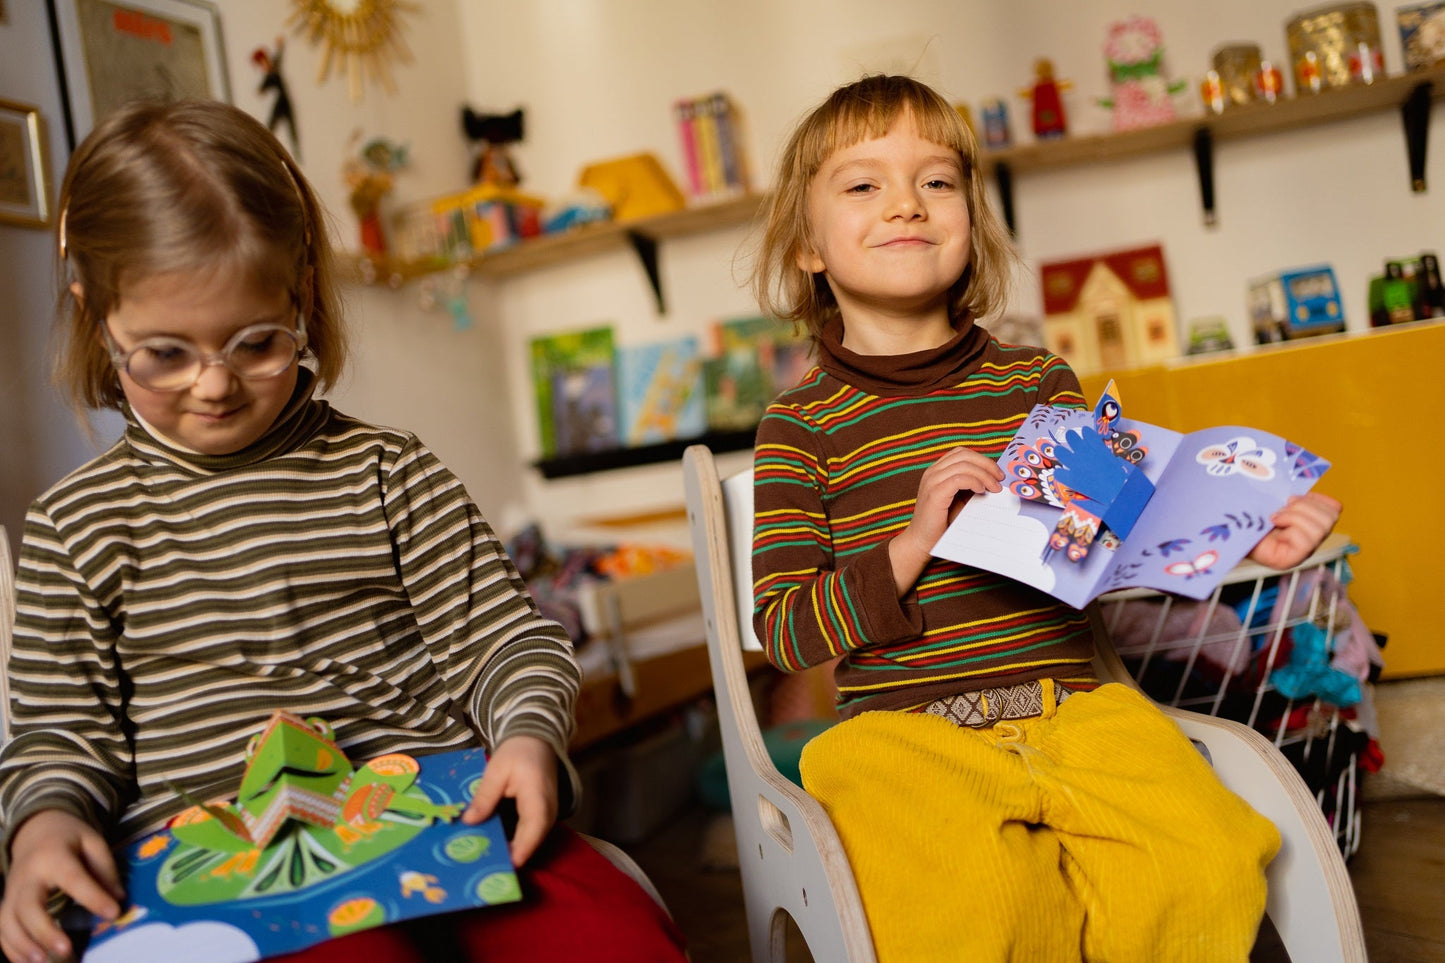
(1048,105)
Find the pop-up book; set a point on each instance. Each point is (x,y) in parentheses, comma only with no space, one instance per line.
(1094,502)
(311,847)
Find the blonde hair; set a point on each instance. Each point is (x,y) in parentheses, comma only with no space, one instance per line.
(859,111)
(191,185)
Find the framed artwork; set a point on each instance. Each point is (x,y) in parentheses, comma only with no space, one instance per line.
(24,178)
(114,51)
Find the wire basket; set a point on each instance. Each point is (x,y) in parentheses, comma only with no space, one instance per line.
(1262,650)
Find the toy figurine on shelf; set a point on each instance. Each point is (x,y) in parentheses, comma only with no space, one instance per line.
(996,133)
(269,64)
(370,175)
(1048,104)
(1140,96)
(494,135)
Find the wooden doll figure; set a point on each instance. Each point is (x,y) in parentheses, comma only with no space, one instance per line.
(1048,105)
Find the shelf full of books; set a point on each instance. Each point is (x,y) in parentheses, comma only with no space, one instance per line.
(602,405)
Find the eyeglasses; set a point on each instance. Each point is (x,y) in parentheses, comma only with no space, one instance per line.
(254,353)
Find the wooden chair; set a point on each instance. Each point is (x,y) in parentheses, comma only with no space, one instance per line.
(791,859)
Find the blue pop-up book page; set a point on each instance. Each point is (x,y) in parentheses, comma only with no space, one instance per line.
(389,847)
(1095,501)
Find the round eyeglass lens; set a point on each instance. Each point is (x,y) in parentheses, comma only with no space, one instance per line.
(169,364)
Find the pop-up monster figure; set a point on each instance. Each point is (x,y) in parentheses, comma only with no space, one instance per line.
(303,814)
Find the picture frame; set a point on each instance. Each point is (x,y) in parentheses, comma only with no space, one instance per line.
(24,166)
(113,51)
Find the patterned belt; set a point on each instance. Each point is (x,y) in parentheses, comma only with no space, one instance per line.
(981,709)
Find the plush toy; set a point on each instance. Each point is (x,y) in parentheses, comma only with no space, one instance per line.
(1141,96)
(494,134)
(1048,105)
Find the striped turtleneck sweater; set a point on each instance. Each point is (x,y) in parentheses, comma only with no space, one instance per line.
(836,472)
(169,602)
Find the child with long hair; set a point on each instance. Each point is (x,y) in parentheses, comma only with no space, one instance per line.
(996,802)
(245,547)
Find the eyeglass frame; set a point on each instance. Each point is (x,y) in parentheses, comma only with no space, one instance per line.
(120,359)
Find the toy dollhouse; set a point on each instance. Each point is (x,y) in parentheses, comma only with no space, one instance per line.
(1109,312)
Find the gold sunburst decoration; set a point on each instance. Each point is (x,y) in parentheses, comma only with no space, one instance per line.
(360,37)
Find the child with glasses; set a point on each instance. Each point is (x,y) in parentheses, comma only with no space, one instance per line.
(996,803)
(245,547)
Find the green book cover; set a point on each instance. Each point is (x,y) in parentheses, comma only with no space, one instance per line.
(574,386)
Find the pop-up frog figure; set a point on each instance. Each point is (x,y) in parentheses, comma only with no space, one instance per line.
(303,814)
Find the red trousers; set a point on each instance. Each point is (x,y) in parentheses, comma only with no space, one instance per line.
(576,906)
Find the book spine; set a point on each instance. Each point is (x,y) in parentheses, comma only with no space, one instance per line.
(709,157)
(683,110)
(722,111)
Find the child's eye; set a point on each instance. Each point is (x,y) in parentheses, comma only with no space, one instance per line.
(859,189)
(258,344)
(164,355)
(939,184)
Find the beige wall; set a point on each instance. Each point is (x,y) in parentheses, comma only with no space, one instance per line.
(597,78)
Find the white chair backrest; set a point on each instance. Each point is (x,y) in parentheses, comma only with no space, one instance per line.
(790,858)
(738,497)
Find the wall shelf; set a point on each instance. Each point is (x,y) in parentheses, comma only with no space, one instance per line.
(642,235)
(586,462)
(1414,90)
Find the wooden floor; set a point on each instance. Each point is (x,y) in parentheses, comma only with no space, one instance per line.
(1399,876)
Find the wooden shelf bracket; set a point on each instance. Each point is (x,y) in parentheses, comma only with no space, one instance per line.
(1003,175)
(645,246)
(1204,165)
(1415,112)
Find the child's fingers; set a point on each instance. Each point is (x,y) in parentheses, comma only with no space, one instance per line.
(101,863)
(533,821)
(1318,510)
(967,456)
(33,934)
(76,880)
(489,792)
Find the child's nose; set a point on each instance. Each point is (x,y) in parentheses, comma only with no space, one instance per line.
(216,381)
(906,204)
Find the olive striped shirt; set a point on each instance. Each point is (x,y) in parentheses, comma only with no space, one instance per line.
(836,473)
(168,602)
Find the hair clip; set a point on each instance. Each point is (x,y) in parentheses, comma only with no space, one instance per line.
(300,196)
(63,211)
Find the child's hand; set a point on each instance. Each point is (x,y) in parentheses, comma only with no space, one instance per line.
(524,769)
(53,850)
(1299,528)
(960,470)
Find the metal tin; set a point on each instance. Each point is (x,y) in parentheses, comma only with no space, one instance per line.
(1237,65)
(1335,46)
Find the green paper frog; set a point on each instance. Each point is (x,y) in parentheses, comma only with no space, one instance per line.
(303,814)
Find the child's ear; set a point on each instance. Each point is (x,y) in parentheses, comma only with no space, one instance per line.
(808,260)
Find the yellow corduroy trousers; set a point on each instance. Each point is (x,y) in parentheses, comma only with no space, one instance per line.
(1094,832)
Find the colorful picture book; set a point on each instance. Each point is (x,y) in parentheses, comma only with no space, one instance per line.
(660,391)
(573,378)
(739,372)
(1094,502)
(314,848)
